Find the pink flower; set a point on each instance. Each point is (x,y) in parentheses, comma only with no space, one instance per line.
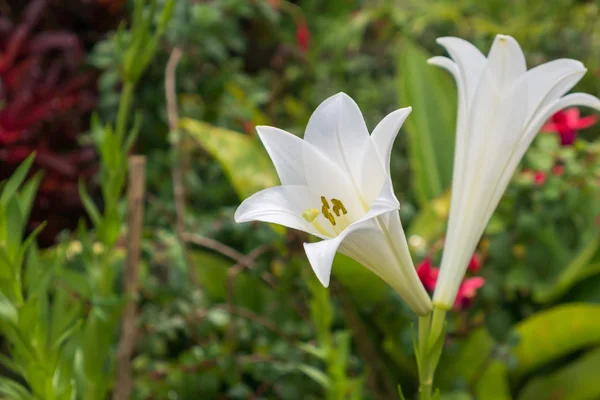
(566,123)
(474,264)
(467,291)
(539,178)
(302,35)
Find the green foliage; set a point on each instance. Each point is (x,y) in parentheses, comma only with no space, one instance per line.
(267,328)
(35,327)
(576,381)
(545,336)
(244,160)
(431,125)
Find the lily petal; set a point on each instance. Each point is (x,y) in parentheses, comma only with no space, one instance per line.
(548,82)
(470,62)
(300,163)
(506,62)
(366,243)
(320,256)
(282,205)
(385,133)
(506,107)
(337,128)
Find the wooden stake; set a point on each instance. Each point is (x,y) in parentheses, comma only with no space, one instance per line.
(135,214)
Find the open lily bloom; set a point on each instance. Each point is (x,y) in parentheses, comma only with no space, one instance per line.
(501,107)
(336,186)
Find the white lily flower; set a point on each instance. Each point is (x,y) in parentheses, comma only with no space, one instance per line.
(501,108)
(336,186)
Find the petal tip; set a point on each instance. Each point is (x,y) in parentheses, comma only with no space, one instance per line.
(321,262)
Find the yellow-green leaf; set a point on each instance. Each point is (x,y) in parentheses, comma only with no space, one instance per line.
(554,333)
(243,158)
(576,381)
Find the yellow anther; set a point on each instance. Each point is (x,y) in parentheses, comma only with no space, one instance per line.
(330,217)
(338,206)
(324,202)
(310,214)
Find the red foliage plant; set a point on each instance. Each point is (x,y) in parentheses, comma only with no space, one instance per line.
(45,102)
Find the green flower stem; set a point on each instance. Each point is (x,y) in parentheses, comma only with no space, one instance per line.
(430,341)
(425,376)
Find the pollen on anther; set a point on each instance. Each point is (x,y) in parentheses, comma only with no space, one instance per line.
(338,206)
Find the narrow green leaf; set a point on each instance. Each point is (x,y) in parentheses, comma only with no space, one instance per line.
(17,178)
(400,393)
(311,349)
(27,194)
(133,133)
(315,374)
(431,125)
(579,268)
(8,312)
(28,242)
(8,363)
(13,390)
(89,205)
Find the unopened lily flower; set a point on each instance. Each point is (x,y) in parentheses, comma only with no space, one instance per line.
(501,107)
(336,186)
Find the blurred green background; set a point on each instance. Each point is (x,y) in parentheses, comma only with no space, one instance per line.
(234,311)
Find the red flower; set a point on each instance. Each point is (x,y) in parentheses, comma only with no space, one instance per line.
(427,274)
(474,264)
(558,170)
(566,123)
(539,178)
(467,291)
(302,35)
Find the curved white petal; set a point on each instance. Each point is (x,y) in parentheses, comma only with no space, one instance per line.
(506,62)
(462,133)
(458,253)
(300,163)
(337,128)
(285,150)
(385,133)
(548,82)
(281,205)
(368,244)
(505,109)
(573,99)
(470,62)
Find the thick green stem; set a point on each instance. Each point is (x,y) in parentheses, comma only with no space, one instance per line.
(431,330)
(425,374)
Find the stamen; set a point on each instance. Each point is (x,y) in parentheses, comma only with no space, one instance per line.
(337,206)
(338,222)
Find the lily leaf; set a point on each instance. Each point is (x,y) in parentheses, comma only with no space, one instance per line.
(432,123)
(579,268)
(244,160)
(576,381)
(554,333)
